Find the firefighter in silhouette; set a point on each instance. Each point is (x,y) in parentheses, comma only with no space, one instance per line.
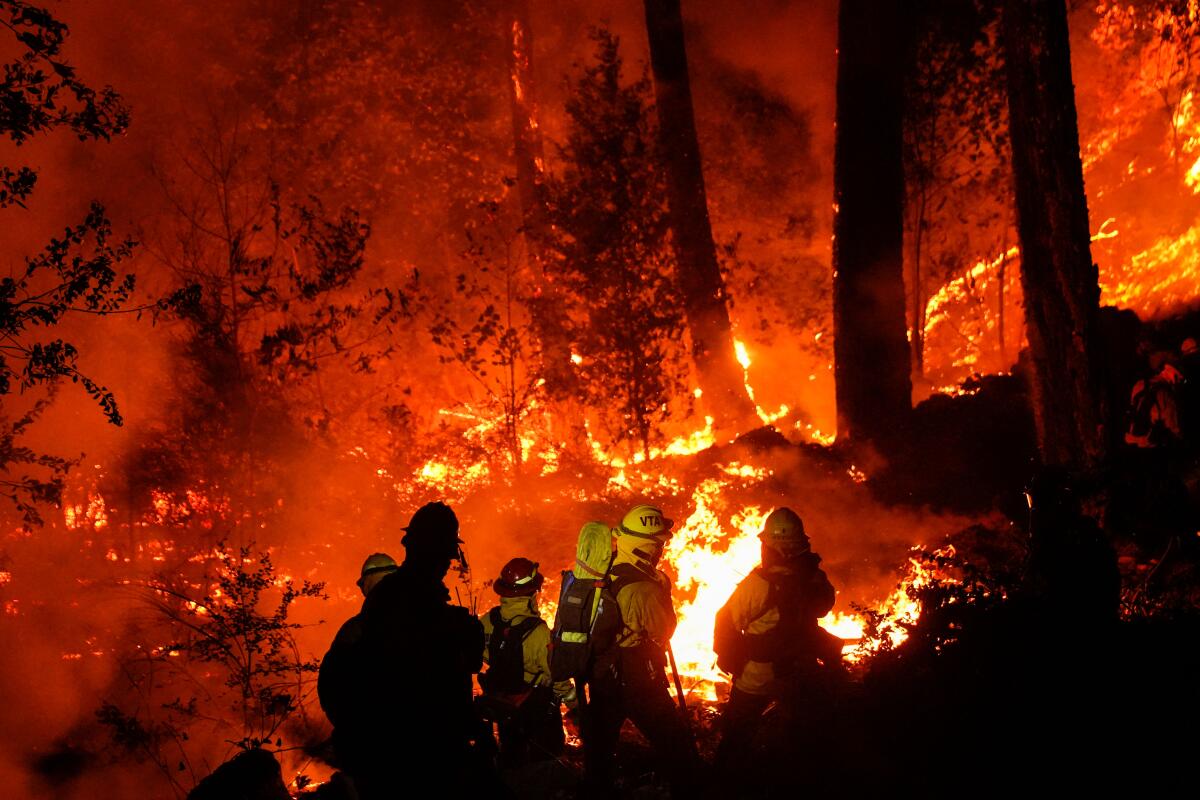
(340,675)
(767,637)
(421,653)
(629,679)
(519,694)
(1154,414)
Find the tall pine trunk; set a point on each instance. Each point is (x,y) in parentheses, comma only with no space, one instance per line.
(700,280)
(549,319)
(1059,279)
(871,352)
(527,134)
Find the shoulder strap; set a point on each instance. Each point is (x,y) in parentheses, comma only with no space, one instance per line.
(496,620)
(526,627)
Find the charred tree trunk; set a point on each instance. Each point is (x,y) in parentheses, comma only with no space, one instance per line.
(1059,279)
(549,315)
(700,279)
(871,353)
(916,285)
(1002,281)
(527,135)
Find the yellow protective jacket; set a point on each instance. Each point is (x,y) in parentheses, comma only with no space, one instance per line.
(647,615)
(535,647)
(751,611)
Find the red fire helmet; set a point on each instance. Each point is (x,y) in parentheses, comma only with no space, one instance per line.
(519,577)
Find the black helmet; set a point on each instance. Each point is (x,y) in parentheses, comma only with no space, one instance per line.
(433,527)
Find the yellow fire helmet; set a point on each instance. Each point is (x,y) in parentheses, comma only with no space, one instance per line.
(376,562)
(784,530)
(646,522)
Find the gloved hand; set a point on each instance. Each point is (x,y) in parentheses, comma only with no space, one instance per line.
(570,699)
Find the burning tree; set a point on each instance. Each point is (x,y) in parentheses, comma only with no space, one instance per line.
(546,303)
(762,171)
(611,248)
(701,285)
(1059,278)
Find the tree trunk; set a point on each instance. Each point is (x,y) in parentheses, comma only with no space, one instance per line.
(918,296)
(548,308)
(527,135)
(1002,280)
(871,352)
(1059,279)
(700,280)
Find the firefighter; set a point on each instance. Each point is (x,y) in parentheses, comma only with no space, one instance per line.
(586,620)
(629,679)
(1154,406)
(519,694)
(339,677)
(420,655)
(767,636)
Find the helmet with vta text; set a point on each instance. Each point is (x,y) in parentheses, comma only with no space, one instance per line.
(647,522)
(519,578)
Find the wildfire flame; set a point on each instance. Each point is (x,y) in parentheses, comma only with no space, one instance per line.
(743,358)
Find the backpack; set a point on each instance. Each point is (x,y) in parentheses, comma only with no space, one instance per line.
(796,635)
(339,678)
(622,575)
(1153,413)
(506,655)
(731,646)
(571,640)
